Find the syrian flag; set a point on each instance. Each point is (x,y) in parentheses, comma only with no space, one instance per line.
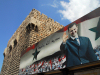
(44,50)
(89,26)
(91,29)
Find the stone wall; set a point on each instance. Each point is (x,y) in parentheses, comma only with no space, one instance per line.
(33,29)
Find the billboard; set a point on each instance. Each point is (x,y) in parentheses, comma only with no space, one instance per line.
(77,43)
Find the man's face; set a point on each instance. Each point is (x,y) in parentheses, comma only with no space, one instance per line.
(73,30)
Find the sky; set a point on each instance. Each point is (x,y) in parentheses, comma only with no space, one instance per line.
(14,12)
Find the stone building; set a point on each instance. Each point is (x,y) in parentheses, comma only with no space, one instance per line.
(33,29)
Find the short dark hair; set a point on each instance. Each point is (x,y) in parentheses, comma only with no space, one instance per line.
(71,25)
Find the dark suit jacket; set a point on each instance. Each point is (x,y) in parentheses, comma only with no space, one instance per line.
(77,54)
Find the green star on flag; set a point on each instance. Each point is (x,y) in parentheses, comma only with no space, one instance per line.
(96,30)
(35,54)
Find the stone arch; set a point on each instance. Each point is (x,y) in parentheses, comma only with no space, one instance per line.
(28,28)
(32,26)
(36,28)
(4,54)
(10,48)
(15,42)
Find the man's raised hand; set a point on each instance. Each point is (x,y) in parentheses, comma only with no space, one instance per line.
(65,37)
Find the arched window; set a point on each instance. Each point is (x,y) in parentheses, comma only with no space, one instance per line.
(15,42)
(4,54)
(36,28)
(10,48)
(49,29)
(28,28)
(32,25)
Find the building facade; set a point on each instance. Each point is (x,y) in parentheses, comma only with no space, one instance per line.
(33,29)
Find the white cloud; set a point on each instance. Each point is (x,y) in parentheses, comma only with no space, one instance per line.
(77,8)
(55,4)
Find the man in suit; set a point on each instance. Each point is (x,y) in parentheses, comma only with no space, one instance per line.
(78,49)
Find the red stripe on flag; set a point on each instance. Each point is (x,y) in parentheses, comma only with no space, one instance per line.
(28,49)
(77,21)
(65,28)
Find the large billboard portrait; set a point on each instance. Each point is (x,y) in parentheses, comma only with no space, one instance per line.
(77,43)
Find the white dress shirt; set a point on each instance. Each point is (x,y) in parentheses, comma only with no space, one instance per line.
(77,38)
